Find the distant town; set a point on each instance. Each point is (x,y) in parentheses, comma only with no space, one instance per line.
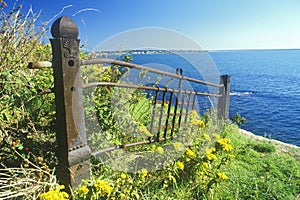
(148,51)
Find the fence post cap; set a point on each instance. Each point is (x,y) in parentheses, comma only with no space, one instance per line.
(64,27)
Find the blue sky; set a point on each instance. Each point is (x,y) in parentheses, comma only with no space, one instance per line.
(213,24)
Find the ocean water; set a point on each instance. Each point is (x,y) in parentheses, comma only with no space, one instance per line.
(265,87)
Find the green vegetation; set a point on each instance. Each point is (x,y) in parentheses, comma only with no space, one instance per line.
(217,163)
(26,116)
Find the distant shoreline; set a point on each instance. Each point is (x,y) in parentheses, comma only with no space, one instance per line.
(163,51)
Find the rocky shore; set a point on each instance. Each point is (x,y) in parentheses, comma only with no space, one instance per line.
(291,149)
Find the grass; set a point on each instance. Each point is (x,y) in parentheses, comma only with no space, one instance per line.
(259,170)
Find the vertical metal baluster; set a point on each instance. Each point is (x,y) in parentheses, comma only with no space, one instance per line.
(187,108)
(194,101)
(153,110)
(161,113)
(181,109)
(168,112)
(178,71)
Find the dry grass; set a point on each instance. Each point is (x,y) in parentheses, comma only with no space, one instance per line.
(25,183)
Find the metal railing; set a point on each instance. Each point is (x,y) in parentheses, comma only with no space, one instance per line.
(73,150)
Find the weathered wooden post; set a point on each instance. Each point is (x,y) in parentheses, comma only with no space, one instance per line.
(223,104)
(73,153)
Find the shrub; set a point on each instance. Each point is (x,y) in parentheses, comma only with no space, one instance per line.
(26,116)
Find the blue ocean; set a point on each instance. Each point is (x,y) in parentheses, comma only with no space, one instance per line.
(265,87)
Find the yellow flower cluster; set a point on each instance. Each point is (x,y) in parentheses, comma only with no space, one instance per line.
(197,122)
(143,173)
(205,165)
(190,153)
(41,48)
(103,187)
(123,176)
(160,150)
(222,176)
(56,194)
(210,154)
(180,165)
(224,143)
(83,190)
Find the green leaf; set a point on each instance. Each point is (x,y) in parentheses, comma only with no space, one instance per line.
(20,146)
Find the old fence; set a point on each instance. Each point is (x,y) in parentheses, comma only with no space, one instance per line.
(73,150)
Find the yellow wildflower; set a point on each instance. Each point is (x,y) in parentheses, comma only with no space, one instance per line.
(180,165)
(55,194)
(210,155)
(212,150)
(224,143)
(190,153)
(83,190)
(103,187)
(201,124)
(206,137)
(197,122)
(143,172)
(160,150)
(123,176)
(222,176)
(41,48)
(205,165)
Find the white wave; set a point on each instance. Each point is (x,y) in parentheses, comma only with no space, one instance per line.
(240,93)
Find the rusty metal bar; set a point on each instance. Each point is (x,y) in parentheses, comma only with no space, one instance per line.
(174,117)
(153,111)
(194,102)
(161,113)
(161,102)
(131,65)
(187,108)
(168,112)
(181,110)
(144,87)
(179,71)
(45,90)
(130,145)
(39,65)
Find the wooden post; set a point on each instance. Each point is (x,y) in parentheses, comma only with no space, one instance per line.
(72,152)
(223,104)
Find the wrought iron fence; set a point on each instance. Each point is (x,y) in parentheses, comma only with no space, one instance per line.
(170,106)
